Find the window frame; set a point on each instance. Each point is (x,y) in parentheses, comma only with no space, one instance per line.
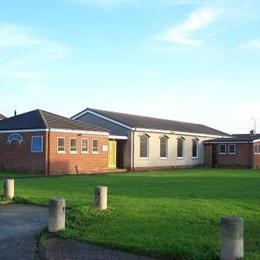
(196,140)
(37,136)
(235,149)
(257,152)
(147,147)
(166,147)
(74,152)
(222,153)
(182,149)
(95,152)
(64,151)
(81,146)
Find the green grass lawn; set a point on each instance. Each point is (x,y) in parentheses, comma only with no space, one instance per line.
(173,214)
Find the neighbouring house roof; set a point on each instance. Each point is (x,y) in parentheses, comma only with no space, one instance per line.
(40,119)
(2,117)
(137,121)
(236,138)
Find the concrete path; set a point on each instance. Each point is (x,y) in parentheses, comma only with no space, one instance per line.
(19,224)
(57,249)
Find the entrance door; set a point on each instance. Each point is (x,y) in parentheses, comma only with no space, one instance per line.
(214,155)
(112,154)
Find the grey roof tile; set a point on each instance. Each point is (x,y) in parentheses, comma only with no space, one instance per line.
(40,119)
(137,121)
(235,138)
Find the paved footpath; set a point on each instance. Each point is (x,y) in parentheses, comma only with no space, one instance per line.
(19,224)
(56,249)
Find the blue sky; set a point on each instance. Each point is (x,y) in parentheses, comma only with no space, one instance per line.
(188,60)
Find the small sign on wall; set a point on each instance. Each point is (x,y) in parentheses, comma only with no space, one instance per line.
(104,148)
(14,137)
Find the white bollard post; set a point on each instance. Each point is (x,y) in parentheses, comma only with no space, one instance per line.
(9,188)
(101,197)
(56,215)
(232,238)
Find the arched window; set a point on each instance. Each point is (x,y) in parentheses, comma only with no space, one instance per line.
(180,146)
(164,146)
(195,148)
(144,146)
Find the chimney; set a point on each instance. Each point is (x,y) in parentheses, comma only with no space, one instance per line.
(15,113)
(253,132)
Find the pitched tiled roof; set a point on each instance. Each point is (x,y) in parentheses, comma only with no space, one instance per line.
(136,121)
(40,119)
(236,138)
(2,117)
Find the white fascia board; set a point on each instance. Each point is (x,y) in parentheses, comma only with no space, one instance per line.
(230,142)
(54,130)
(78,131)
(24,131)
(153,130)
(176,132)
(118,137)
(103,117)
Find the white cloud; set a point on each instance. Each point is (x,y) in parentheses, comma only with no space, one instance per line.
(183,33)
(253,45)
(13,36)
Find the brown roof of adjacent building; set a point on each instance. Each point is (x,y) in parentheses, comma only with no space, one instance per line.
(40,119)
(2,117)
(137,121)
(235,138)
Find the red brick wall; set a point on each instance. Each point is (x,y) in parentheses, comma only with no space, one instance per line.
(77,163)
(256,157)
(18,157)
(242,158)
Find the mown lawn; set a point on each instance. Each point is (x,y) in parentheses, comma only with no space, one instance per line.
(173,214)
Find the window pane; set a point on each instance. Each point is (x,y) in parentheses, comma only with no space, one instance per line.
(37,144)
(194,148)
(222,148)
(61,144)
(180,148)
(144,146)
(232,149)
(163,147)
(84,145)
(95,146)
(73,145)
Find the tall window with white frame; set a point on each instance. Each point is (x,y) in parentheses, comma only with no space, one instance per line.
(195,147)
(73,145)
(61,145)
(144,146)
(232,149)
(222,149)
(164,147)
(84,145)
(180,146)
(94,146)
(257,149)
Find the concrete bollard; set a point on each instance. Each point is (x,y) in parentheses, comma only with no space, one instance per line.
(9,188)
(101,197)
(56,215)
(232,238)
